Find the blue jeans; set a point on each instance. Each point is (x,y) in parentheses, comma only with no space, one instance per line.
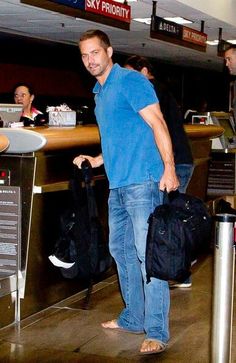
(146,305)
(184,172)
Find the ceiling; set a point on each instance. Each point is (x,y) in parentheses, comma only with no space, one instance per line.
(30,21)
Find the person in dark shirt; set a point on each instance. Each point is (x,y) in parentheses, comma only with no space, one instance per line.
(174,120)
(24,95)
(230,61)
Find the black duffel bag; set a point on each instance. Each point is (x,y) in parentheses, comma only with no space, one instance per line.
(179,230)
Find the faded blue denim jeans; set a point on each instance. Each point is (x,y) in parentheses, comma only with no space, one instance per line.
(146,305)
(184,173)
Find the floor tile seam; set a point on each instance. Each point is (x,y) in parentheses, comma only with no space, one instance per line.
(23,322)
(50,349)
(81,294)
(204,292)
(177,322)
(175,339)
(69,308)
(205,263)
(176,293)
(11,340)
(70,299)
(79,355)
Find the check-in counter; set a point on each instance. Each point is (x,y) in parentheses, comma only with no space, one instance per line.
(200,137)
(4,142)
(39,162)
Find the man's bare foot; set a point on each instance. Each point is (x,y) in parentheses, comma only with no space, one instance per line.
(111,324)
(152,346)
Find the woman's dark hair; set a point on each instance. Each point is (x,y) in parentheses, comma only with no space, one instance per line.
(103,37)
(232,46)
(24,84)
(138,63)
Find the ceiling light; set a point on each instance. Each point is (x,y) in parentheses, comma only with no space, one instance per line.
(216,41)
(175,19)
(123,2)
(143,20)
(178,20)
(212,42)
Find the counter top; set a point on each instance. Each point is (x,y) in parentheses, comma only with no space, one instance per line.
(203,131)
(28,139)
(69,137)
(4,142)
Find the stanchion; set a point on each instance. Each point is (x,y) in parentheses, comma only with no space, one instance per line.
(223,287)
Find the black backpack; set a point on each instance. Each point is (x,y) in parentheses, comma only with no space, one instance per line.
(81,251)
(179,230)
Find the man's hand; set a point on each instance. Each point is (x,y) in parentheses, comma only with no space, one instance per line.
(94,161)
(169,180)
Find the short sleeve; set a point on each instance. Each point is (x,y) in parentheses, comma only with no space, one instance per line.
(138,90)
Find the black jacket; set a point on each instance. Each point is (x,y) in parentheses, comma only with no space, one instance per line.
(175,122)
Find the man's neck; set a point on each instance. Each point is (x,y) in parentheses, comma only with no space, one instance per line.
(151,77)
(102,79)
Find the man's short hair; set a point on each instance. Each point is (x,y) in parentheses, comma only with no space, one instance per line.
(104,39)
(232,46)
(138,63)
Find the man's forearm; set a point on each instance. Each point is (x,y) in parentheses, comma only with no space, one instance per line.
(99,160)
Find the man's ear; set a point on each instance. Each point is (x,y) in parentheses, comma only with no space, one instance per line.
(110,52)
(144,71)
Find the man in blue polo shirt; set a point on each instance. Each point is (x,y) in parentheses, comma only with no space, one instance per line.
(138,159)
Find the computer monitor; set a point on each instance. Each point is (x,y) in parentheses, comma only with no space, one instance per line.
(10,113)
(229,131)
(225,120)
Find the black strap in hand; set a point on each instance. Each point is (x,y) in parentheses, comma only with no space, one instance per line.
(169,197)
(87,172)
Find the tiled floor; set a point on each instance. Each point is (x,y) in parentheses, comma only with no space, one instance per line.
(67,333)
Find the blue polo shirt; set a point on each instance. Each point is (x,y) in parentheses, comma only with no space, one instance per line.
(129,150)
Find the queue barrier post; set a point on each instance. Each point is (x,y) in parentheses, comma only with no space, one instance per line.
(223,288)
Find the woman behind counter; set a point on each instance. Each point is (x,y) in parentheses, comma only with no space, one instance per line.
(24,95)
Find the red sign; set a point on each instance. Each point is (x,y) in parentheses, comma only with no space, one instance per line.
(109,8)
(194,36)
